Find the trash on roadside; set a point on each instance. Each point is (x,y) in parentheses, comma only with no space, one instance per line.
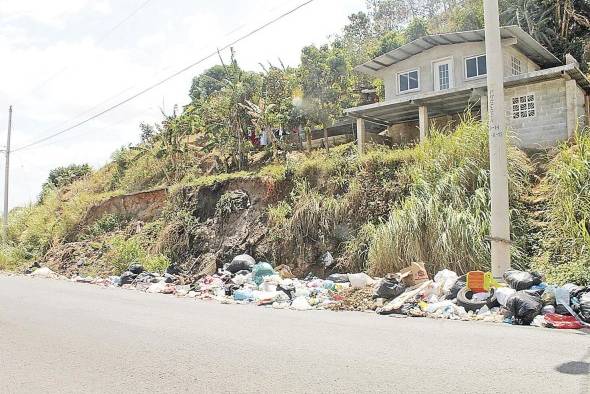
(523,307)
(239,263)
(408,293)
(44,272)
(521,280)
(555,320)
(360,280)
(260,270)
(135,268)
(389,288)
(414,274)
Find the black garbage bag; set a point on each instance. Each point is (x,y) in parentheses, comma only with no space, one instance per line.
(145,277)
(389,288)
(239,263)
(523,307)
(460,283)
(584,311)
(127,277)
(521,280)
(173,269)
(338,278)
(135,268)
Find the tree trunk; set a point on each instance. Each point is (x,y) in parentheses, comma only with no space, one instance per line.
(308,138)
(326,142)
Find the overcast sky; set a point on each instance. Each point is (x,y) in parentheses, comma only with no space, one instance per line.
(64,60)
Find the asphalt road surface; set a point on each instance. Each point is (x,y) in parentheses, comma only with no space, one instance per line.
(58,336)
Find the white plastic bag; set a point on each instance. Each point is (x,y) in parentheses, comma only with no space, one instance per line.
(446,278)
(360,280)
(503,293)
(300,304)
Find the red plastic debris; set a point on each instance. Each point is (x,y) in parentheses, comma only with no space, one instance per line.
(560,321)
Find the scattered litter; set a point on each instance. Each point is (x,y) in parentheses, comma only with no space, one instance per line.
(45,272)
(408,293)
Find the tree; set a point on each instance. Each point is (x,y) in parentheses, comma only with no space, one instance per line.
(417,28)
(63,176)
(205,84)
(328,84)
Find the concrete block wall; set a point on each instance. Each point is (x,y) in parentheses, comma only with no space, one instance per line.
(549,125)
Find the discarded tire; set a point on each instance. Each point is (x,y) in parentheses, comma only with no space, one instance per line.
(459,284)
(464,299)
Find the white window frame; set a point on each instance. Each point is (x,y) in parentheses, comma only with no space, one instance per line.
(520,111)
(399,91)
(465,67)
(451,62)
(515,61)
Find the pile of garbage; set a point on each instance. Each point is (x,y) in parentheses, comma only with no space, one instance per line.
(524,299)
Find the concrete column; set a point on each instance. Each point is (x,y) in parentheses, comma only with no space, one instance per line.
(571,107)
(360,135)
(484,106)
(587,109)
(500,219)
(423,122)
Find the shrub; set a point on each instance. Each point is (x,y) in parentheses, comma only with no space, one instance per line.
(123,252)
(566,241)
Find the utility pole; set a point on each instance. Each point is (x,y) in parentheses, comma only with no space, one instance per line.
(500,219)
(6,174)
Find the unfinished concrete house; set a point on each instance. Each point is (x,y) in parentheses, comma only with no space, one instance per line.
(436,78)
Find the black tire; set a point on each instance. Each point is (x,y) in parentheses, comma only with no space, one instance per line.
(464,299)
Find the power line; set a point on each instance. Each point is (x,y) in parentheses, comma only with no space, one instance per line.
(101,39)
(155,85)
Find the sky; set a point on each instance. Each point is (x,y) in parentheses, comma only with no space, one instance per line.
(62,61)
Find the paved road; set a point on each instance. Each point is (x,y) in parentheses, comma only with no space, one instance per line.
(57,336)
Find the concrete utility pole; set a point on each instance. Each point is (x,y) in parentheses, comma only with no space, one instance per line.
(6,174)
(500,220)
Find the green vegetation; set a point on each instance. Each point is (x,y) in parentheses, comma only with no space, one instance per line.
(566,242)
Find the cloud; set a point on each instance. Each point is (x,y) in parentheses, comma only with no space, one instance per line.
(50,12)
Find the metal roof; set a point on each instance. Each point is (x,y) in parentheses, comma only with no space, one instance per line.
(455,100)
(524,43)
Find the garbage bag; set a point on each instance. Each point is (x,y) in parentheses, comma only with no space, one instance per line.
(521,280)
(548,296)
(460,283)
(389,288)
(338,278)
(523,307)
(127,277)
(241,262)
(503,293)
(259,271)
(585,307)
(360,280)
(135,268)
(447,279)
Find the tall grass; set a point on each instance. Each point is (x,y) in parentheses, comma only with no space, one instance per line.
(566,242)
(445,219)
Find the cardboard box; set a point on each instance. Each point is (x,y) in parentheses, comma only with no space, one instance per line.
(414,275)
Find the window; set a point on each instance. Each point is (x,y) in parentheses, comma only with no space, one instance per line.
(523,107)
(475,66)
(516,66)
(443,76)
(408,81)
